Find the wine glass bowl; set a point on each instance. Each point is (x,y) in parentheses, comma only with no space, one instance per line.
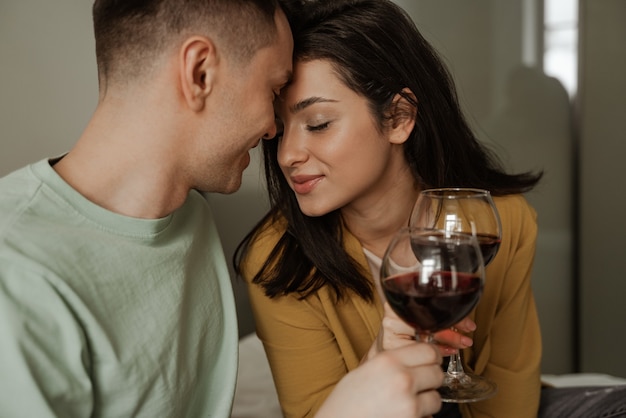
(431,280)
(461,210)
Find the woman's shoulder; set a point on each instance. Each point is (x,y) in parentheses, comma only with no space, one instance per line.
(517,215)
(514,205)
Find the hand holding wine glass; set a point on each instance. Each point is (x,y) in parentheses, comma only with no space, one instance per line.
(379,388)
(395,333)
(462,211)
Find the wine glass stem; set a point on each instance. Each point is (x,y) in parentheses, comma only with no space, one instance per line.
(455,366)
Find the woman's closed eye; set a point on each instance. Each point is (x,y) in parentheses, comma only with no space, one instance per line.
(317,127)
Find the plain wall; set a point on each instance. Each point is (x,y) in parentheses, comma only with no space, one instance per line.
(602,107)
(48,85)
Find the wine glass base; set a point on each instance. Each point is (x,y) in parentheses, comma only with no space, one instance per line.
(466,388)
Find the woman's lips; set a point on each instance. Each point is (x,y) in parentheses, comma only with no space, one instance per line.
(305,184)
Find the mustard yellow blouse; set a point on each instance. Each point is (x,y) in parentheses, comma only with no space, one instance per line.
(312,343)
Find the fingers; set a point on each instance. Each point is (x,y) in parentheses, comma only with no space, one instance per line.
(427,378)
(397,383)
(429,403)
(414,355)
(451,340)
(395,332)
(422,365)
(398,327)
(418,374)
(466,325)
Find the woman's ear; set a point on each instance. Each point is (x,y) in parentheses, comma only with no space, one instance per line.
(198,61)
(402,116)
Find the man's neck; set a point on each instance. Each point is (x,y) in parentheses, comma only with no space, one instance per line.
(123,164)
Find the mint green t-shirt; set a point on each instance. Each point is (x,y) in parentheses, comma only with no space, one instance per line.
(103,315)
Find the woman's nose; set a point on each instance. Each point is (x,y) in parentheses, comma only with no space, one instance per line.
(291,150)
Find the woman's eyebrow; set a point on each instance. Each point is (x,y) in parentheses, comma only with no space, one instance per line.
(303,104)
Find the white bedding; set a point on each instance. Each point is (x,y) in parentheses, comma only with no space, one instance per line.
(255,396)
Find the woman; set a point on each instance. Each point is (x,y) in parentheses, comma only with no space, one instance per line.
(370,119)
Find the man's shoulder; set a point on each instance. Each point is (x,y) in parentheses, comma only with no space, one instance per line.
(16,192)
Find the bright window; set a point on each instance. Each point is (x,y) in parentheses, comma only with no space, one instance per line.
(560,55)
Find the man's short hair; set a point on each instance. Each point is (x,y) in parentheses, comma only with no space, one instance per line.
(131,34)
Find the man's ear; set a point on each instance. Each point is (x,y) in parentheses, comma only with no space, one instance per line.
(403,113)
(198,67)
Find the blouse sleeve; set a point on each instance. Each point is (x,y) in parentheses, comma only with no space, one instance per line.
(507,342)
(305,359)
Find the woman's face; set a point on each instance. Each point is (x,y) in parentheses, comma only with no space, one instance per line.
(331,152)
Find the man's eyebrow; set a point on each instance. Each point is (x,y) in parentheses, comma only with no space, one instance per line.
(303,104)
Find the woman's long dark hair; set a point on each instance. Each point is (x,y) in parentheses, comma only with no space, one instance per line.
(378,52)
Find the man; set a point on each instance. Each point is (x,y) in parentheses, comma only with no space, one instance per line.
(115,299)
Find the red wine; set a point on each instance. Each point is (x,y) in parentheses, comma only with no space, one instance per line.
(442,302)
(489,245)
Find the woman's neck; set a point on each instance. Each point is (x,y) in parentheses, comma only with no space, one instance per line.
(375,223)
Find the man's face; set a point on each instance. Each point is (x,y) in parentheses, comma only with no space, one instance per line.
(246,111)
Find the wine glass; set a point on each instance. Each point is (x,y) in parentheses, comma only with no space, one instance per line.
(466,211)
(432,280)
